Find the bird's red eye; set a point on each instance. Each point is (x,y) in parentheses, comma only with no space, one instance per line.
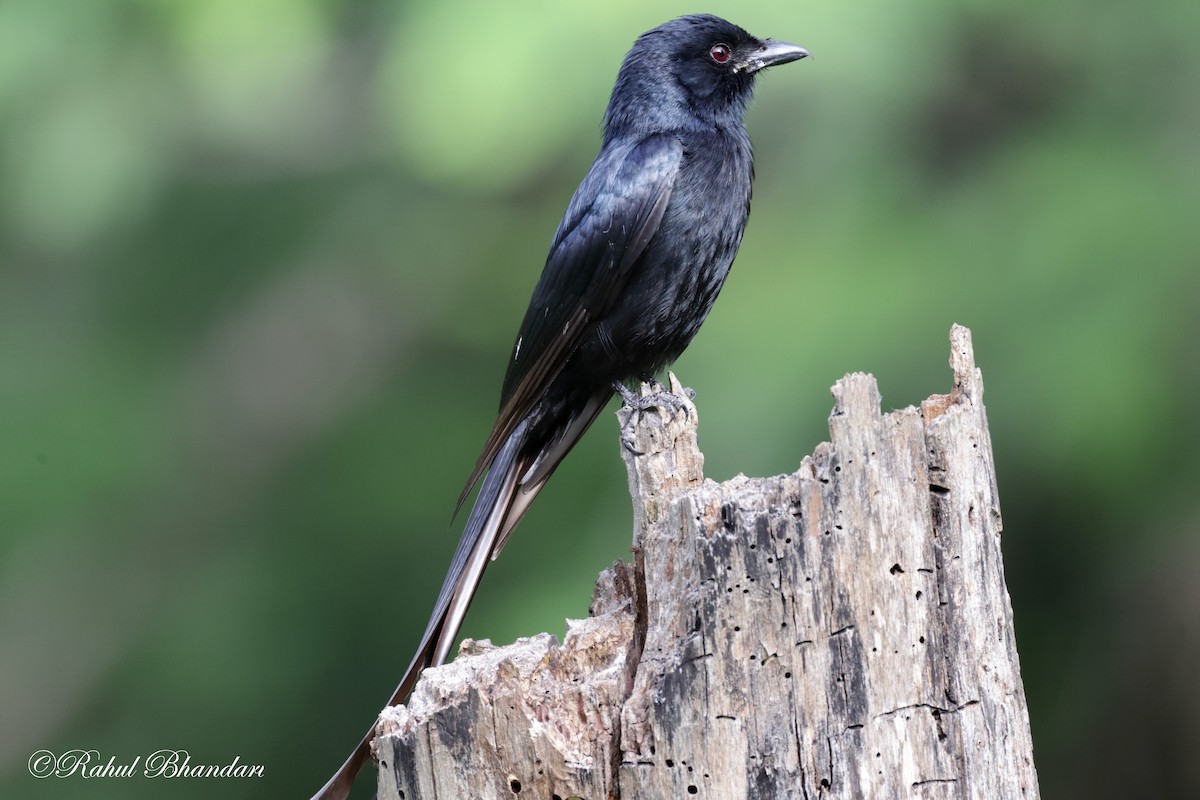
(719,53)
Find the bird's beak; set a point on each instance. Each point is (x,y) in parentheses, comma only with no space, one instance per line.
(771,53)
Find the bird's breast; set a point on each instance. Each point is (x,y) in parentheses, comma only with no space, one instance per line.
(676,281)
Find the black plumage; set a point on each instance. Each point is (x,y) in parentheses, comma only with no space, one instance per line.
(635,266)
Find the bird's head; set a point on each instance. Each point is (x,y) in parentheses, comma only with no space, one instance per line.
(694,68)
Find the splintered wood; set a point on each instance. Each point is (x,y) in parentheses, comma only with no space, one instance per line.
(840,632)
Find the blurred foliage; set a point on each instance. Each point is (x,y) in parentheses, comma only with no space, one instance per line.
(261,264)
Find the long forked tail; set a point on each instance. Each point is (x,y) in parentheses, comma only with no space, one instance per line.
(488,519)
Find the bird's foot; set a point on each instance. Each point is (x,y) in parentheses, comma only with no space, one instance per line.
(676,386)
(659,397)
(653,396)
(655,386)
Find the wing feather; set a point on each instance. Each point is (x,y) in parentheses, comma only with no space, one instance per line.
(612,217)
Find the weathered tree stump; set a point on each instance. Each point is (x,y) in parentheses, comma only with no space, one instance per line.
(840,632)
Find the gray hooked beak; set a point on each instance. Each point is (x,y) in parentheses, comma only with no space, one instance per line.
(771,53)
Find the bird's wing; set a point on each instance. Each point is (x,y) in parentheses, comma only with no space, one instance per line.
(613,215)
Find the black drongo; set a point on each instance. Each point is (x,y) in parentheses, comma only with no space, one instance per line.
(635,266)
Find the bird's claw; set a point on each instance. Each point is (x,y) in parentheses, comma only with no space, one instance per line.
(655,386)
(659,397)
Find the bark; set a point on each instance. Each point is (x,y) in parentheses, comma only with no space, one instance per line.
(840,632)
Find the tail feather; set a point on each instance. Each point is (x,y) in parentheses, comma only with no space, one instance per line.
(513,479)
(534,478)
(466,568)
(467,572)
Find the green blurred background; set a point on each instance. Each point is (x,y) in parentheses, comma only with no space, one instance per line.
(262,262)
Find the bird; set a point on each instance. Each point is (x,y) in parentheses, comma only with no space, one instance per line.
(637,261)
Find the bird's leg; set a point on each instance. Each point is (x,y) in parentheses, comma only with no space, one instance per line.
(671,399)
(627,396)
(659,397)
(658,388)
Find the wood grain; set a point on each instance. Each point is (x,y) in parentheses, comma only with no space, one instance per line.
(840,632)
